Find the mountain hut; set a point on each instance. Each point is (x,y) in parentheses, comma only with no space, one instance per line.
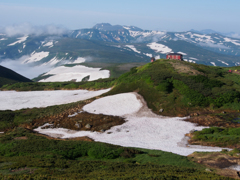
(152,59)
(176,56)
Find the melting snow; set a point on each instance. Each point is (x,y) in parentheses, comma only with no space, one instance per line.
(13,100)
(79,60)
(53,61)
(159,48)
(21,39)
(48,44)
(142,128)
(145,34)
(77,73)
(133,48)
(223,62)
(36,57)
(213,63)
(147,54)
(193,58)
(232,41)
(182,53)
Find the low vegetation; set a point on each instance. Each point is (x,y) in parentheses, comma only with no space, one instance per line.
(219,136)
(179,88)
(40,86)
(11,119)
(24,155)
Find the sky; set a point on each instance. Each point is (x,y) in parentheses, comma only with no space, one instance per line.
(168,15)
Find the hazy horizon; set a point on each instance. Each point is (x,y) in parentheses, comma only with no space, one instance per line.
(172,15)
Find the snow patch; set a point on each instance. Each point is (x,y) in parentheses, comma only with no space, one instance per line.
(21,39)
(223,62)
(76,73)
(159,48)
(128,104)
(147,54)
(48,44)
(146,34)
(142,128)
(232,41)
(193,58)
(52,62)
(36,57)
(12,100)
(184,54)
(79,60)
(213,63)
(133,48)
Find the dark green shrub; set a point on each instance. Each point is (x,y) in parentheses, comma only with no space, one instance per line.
(104,152)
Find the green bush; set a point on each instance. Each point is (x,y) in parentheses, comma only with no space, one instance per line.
(104,152)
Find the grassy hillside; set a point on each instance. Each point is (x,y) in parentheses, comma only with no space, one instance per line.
(179,88)
(7,76)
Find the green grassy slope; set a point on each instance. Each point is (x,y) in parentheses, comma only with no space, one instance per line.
(177,87)
(180,87)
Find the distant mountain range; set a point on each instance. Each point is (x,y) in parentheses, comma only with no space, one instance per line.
(120,44)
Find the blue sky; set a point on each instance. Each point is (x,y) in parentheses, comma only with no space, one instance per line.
(170,15)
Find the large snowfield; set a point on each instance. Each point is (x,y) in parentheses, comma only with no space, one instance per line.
(142,128)
(77,73)
(12,100)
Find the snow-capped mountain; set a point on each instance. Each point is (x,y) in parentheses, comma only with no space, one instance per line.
(120,44)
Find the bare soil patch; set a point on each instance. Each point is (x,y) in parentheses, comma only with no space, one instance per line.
(217,161)
(21,138)
(76,119)
(183,68)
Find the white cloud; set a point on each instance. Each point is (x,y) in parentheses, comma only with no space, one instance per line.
(235,35)
(209,44)
(27,28)
(24,69)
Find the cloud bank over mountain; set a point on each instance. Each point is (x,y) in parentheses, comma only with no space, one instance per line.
(25,69)
(27,28)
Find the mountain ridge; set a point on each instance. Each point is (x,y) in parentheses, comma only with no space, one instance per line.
(8,76)
(119,44)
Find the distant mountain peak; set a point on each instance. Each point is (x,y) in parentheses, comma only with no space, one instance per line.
(205,31)
(107,27)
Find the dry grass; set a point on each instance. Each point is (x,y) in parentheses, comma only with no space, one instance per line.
(183,68)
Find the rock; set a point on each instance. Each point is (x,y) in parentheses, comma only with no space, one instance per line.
(192,131)
(88,126)
(161,110)
(77,125)
(208,170)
